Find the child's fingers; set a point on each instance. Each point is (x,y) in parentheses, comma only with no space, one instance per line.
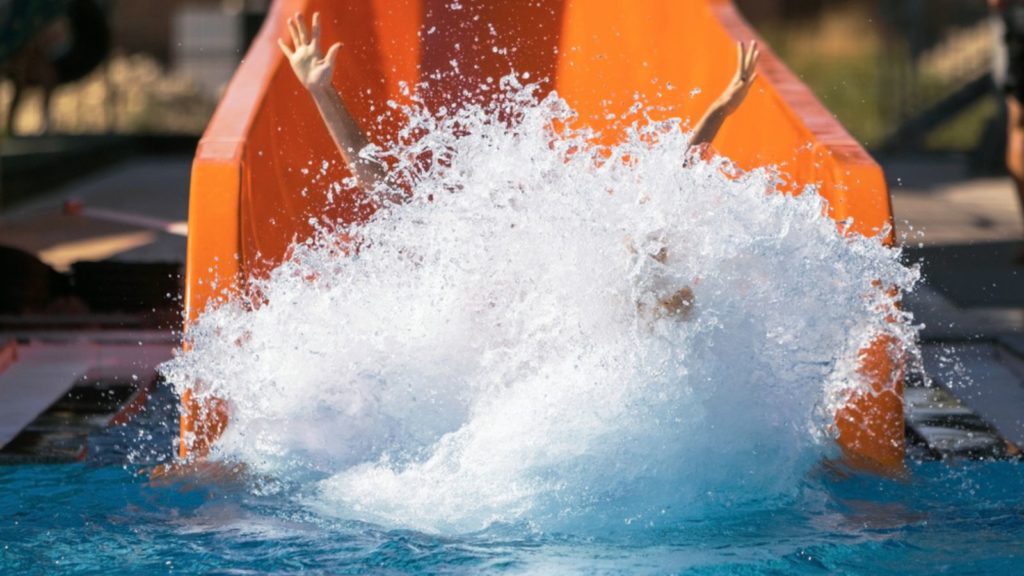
(294,30)
(316,27)
(301,25)
(332,54)
(284,48)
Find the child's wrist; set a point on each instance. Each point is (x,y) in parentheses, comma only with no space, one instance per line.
(319,90)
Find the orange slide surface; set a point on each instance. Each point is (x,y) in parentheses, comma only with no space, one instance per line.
(247,203)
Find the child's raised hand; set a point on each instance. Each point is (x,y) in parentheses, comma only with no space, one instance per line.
(312,69)
(734,94)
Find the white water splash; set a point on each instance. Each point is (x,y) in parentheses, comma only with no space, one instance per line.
(489,355)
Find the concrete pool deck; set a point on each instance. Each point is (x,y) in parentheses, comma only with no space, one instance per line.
(966,230)
(967,234)
(55,350)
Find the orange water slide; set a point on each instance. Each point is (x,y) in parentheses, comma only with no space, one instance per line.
(256,178)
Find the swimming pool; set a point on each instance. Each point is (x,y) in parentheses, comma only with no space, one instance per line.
(102,516)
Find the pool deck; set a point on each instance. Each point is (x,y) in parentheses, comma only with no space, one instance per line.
(45,371)
(54,351)
(966,230)
(967,233)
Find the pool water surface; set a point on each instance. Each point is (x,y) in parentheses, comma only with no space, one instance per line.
(104,516)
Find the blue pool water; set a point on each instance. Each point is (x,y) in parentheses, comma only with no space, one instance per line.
(101,516)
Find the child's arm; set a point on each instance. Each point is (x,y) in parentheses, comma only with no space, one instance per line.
(314,72)
(731,99)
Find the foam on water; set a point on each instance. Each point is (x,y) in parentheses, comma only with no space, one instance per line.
(489,354)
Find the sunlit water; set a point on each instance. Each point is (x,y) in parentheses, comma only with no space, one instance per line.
(480,378)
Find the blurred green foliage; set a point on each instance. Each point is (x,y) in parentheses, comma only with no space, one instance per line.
(862,77)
